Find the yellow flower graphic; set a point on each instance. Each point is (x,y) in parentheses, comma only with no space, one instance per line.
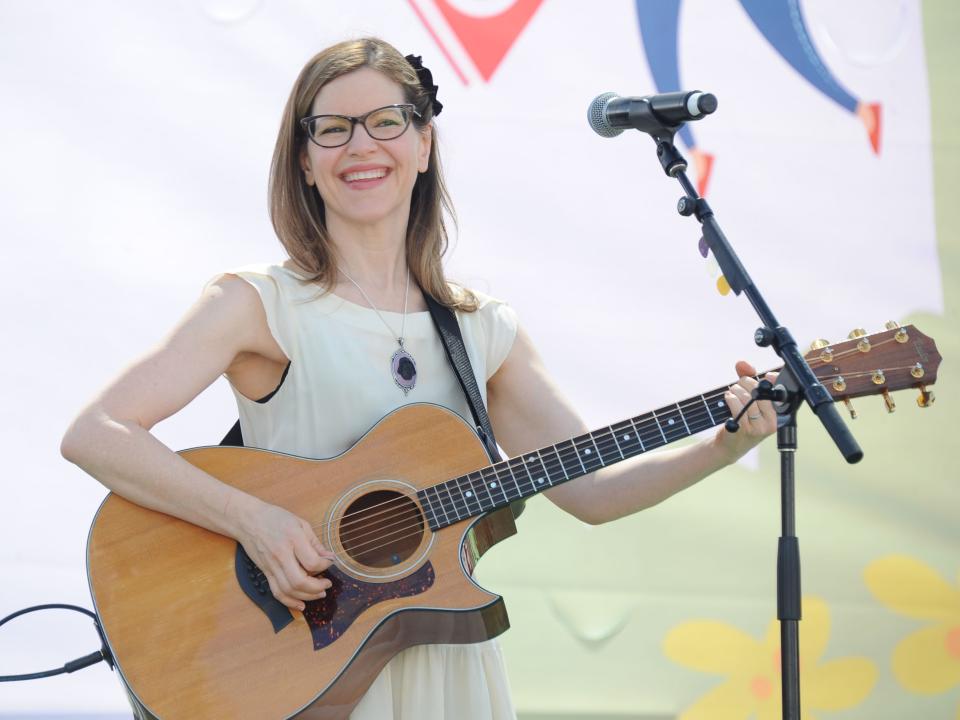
(752,668)
(926,661)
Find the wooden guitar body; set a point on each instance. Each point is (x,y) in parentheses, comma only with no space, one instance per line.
(179,604)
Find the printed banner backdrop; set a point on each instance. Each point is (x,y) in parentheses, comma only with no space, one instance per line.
(137,137)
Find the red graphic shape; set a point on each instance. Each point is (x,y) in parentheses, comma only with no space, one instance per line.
(488,39)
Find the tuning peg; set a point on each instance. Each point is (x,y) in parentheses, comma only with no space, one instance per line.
(878,377)
(888,401)
(850,408)
(864,344)
(926,398)
(839,384)
(900,335)
(917,371)
(824,345)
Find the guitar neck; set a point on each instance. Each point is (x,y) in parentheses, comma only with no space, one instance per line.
(498,485)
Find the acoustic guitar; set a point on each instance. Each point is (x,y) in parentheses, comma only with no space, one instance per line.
(408,510)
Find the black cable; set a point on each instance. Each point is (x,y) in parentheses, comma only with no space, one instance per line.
(86,661)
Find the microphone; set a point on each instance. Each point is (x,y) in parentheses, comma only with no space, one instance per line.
(609,114)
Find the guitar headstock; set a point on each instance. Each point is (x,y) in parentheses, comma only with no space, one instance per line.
(878,364)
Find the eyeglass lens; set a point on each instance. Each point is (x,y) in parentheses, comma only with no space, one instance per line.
(383,124)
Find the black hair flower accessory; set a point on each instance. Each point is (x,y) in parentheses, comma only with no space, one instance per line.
(426,81)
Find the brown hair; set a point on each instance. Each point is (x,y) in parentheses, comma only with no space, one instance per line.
(297,210)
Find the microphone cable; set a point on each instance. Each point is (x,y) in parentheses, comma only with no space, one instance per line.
(103,654)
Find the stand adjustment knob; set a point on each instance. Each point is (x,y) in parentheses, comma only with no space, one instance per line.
(763,337)
(686,206)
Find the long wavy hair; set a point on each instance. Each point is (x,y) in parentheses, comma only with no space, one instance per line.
(296,209)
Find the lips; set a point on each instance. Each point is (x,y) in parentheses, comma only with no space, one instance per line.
(365,175)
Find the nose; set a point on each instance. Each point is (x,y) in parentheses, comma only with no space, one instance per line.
(361,143)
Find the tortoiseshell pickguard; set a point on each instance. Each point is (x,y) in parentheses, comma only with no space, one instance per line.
(330,616)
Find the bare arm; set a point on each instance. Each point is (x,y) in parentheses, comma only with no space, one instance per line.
(223,332)
(529,412)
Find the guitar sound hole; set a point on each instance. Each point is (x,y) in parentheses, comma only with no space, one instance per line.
(381,529)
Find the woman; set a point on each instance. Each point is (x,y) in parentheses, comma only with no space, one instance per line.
(340,333)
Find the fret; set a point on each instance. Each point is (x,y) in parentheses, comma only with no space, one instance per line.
(683,417)
(669,429)
(469,496)
(490,504)
(545,476)
(556,453)
(513,477)
(643,448)
(707,406)
(587,452)
(436,501)
(650,431)
(613,434)
(522,462)
(453,503)
(425,504)
(607,446)
(572,466)
(495,485)
(627,438)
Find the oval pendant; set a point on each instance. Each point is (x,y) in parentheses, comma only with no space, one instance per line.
(404,370)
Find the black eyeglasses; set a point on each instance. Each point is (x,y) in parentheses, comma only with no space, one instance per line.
(384,123)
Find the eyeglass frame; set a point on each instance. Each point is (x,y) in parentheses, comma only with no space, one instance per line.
(362,120)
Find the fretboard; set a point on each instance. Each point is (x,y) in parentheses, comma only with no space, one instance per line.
(498,485)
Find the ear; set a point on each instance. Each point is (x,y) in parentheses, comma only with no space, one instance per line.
(423,155)
(305,166)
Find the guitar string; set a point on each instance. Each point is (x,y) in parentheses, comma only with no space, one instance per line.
(366,514)
(605,438)
(650,422)
(844,353)
(417,527)
(600,435)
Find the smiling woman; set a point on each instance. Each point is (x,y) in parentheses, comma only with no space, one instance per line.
(333,354)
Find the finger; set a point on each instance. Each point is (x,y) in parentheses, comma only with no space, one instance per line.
(290,602)
(742,394)
(298,583)
(745,368)
(308,556)
(318,546)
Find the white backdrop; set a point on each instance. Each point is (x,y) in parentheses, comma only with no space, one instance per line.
(136,139)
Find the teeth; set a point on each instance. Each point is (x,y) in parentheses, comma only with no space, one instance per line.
(365,175)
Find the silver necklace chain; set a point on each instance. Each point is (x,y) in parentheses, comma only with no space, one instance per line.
(403,321)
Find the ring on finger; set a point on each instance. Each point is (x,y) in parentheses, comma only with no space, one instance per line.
(754,417)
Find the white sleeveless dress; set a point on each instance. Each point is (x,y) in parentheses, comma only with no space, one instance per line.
(338,386)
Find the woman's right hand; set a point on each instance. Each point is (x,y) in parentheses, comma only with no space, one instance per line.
(288,552)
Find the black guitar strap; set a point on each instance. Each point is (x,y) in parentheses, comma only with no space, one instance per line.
(446,323)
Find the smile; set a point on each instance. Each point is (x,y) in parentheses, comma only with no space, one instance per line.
(374,174)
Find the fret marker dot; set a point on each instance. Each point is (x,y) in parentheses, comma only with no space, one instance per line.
(531,459)
(540,480)
(627,436)
(671,421)
(469,494)
(587,451)
(720,404)
(493,484)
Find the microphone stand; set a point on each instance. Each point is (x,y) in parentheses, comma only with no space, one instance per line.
(799,385)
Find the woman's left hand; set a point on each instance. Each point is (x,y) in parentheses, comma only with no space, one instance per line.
(758,422)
